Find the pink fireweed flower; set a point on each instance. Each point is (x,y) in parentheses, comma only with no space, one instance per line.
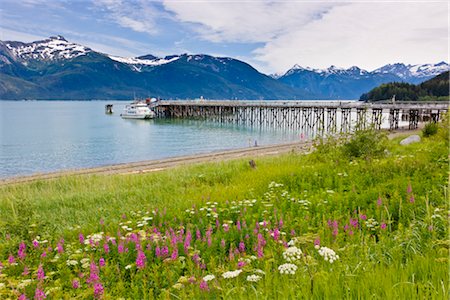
(241,247)
(140,260)
(238,225)
(280,223)
(276,234)
(204,286)
(222,243)
(75,284)
(39,294)
(241,264)
(187,241)
(98,290)
(379,201)
(174,255)
(164,251)
(217,223)
(409,188)
(22,297)
(411,199)
(106,248)
(363,217)
(101,262)
(25,271)
(21,252)
(60,246)
(158,251)
(383,226)
(40,273)
(354,222)
(11,259)
(102,222)
(44,254)
(93,275)
(198,234)
(120,248)
(226,227)
(81,238)
(35,244)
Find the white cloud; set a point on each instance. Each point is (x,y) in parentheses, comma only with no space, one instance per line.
(138,15)
(318,34)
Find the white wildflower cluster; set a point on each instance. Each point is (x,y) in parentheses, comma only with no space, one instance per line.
(287,269)
(253,278)
(209,277)
(328,254)
(292,254)
(96,237)
(143,221)
(231,274)
(71,262)
(371,224)
(85,263)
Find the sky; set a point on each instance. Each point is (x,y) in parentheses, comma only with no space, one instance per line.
(272,36)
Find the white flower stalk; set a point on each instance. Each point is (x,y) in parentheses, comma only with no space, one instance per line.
(292,254)
(287,269)
(328,254)
(209,278)
(231,274)
(253,278)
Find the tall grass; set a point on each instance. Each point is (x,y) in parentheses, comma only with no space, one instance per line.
(385,215)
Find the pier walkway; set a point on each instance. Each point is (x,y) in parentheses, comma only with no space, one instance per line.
(324,116)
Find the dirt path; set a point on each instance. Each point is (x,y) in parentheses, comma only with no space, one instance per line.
(162,164)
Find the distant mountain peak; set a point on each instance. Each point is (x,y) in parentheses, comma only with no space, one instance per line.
(53,48)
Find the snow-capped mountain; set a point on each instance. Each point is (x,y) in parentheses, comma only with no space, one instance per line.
(51,49)
(341,83)
(414,73)
(55,68)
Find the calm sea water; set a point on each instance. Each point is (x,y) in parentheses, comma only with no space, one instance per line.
(44,136)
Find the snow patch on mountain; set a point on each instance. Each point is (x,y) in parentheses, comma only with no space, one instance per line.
(54,48)
(419,71)
(147,62)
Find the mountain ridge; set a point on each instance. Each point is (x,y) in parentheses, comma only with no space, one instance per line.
(55,68)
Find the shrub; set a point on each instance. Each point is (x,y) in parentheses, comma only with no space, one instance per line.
(366,143)
(430,129)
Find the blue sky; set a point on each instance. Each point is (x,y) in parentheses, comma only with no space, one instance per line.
(270,35)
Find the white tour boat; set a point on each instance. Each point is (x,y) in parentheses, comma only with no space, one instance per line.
(137,110)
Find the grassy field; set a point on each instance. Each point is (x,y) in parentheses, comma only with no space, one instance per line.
(368,219)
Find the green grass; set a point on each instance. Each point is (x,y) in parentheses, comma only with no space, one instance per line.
(407,259)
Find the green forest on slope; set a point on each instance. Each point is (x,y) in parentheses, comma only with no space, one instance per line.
(434,89)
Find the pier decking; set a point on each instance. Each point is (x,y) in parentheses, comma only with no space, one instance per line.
(305,115)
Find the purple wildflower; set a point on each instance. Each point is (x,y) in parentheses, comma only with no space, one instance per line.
(383,226)
(120,247)
(39,294)
(75,284)
(140,260)
(98,290)
(40,273)
(174,255)
(101,262)
(363,217)
(204,286)
(21,252)
(22,297)
(241,247)
(106,247)
(238,225)
(35,244)
(11,259)
(409,188)
(81,238)
(241,264)
(222,243)
(60,246)
(411,199)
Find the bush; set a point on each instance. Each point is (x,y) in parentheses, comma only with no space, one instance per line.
(366,143)
(430,129)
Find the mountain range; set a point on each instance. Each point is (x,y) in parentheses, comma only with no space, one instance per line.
(55,68)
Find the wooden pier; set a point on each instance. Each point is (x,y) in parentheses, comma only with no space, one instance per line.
(319,116)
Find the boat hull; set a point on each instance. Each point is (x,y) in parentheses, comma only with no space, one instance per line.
(142,117)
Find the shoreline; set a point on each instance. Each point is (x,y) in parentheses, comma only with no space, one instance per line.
(146,166)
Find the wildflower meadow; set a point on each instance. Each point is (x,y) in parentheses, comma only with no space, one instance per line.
(319,225)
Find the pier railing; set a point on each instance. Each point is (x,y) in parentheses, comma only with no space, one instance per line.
(325,116)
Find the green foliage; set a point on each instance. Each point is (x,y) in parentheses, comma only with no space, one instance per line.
(430,129)
(367,143)
(434,89)
(386,218)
